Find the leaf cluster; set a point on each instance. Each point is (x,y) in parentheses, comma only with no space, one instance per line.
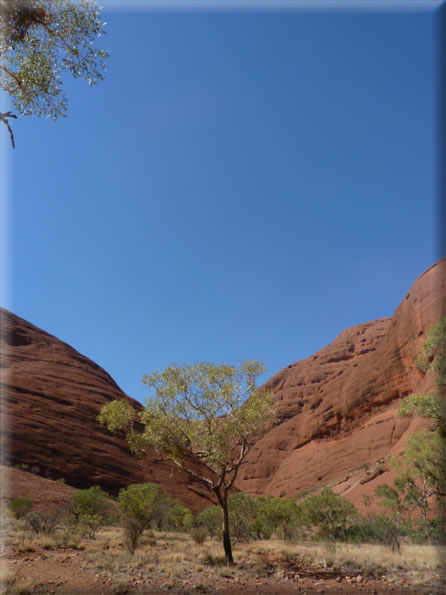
(211,411)
(40,41)
(433,355)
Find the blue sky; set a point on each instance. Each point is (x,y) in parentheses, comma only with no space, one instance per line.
(241,185)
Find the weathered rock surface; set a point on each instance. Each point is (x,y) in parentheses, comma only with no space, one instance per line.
(51,395)
(337,409)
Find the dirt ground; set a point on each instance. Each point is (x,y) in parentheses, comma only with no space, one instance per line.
(68,571)
(67,563)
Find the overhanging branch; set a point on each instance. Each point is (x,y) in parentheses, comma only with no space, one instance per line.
(4,118)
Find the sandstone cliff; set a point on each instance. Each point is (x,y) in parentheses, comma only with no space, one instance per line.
(51,395)
(337,409)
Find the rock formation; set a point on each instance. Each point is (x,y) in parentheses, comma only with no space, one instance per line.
(51,395)
(338,409)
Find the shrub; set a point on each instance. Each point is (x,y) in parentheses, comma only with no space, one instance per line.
(199,534)
(376,529)
(137,503)
(277,514)
(89,508)
(211,518)
(90,523)
(41,523)
(178,517)
(242,512)
(91,501)
(330,513)
(20,507)
(168,513)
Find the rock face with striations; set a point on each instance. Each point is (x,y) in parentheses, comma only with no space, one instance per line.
(338,410)
(51,395)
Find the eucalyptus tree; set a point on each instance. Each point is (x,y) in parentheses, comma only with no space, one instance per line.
(40,40)
(202,411)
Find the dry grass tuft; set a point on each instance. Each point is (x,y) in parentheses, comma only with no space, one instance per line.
(177,560)
(12,584)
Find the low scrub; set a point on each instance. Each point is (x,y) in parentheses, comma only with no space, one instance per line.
(20,507)
(41,522)
(199,534)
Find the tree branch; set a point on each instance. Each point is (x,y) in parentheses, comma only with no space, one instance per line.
(15,78)
(237,464)
(208,482)
(4,118)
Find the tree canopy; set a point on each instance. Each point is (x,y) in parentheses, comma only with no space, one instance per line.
(211,412)
(40,40)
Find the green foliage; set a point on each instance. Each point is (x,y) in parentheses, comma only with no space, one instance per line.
(20,507)
(41,40)
(242,512)
(116,415)
(199,408)
(433,356)
(424,456)
(177,517)
(399,499)
(431,405)
(282,515)
(90,502)
(423,468)
(204,406)
(330,513)
(138,503)
(210,411)
(419,475)
(90,509)
(380,529)
(90,523)
(211,518)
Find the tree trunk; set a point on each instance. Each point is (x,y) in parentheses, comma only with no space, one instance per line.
(223,500)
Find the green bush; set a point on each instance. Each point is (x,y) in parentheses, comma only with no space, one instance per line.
(332,515)
(211,518)
(281,515)
(91,501)
(20,507)
(178,517)
(429,530)
(380,529)
(242,512)
(89,509)
(137,503)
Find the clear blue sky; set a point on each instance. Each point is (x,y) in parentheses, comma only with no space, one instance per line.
(242,185)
